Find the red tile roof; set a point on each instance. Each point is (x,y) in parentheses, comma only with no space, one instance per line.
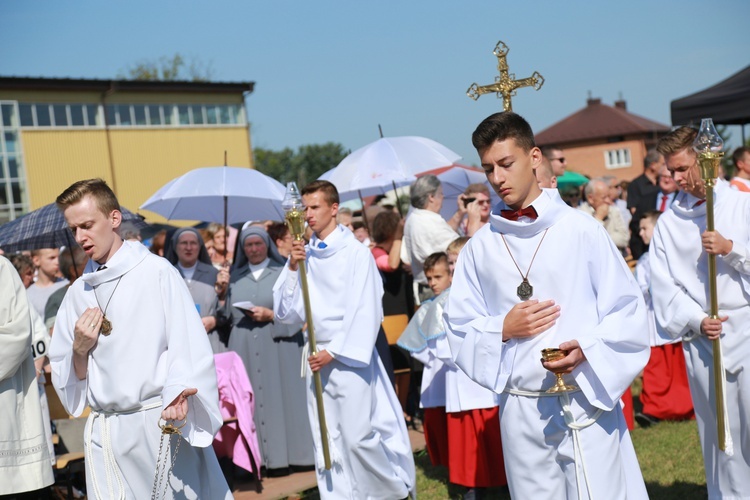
(598,121)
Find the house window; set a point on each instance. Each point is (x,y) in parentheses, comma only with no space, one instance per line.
(13,199)
(617,158)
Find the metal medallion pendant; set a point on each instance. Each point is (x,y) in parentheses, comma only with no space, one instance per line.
(106,328)
(525,290)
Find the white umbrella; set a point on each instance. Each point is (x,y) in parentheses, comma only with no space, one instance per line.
(219,194)
(455,179)
(385,164)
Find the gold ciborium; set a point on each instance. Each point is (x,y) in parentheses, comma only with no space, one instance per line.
(555,354)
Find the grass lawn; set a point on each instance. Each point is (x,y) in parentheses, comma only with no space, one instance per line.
(669,454)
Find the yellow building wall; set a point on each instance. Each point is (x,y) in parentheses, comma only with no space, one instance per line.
(55,159)
(143,159)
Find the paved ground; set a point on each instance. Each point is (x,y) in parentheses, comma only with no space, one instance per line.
(290,486)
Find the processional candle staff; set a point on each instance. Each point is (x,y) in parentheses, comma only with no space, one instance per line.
(295,221)
(708,145)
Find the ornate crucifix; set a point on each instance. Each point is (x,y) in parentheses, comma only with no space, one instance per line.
(506,84)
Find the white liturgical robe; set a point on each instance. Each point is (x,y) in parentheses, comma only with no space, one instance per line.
(370,446)
(158,347)
(577,266)
(423,348)
(24,456)
(679,281)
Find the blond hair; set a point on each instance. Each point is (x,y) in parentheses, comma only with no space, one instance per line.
(105,199)
(676,141)
(456,245)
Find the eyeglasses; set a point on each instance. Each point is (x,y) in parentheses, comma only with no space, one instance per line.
(561,159)
(483,202)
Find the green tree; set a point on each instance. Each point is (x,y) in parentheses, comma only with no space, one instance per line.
(168,69)
(303,166)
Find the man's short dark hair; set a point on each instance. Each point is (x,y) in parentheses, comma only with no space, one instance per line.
(738,154)
(547,150)
(330,193)
(434,259)
(652,156)
(500,127)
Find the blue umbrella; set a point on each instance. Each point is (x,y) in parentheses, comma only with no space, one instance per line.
(46,228)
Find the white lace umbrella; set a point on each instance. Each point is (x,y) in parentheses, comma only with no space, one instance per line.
(387,163)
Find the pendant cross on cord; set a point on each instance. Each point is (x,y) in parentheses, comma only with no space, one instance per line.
(506,84)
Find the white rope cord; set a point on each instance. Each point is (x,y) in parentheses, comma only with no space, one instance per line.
(110,462)
(305,355)
(727,434)
(574,427)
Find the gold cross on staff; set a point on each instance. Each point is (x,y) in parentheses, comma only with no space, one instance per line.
(506,84)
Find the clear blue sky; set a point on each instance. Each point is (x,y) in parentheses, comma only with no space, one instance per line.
(330,70)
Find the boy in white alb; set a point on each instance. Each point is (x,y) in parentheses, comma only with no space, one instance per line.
(665,394)
(544,275)
(679,282)
(423,347)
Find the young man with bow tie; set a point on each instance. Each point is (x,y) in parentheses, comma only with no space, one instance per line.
(544,275)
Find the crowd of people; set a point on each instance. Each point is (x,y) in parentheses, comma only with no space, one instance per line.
(612,276)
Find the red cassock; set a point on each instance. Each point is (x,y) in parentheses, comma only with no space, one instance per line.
(436,434)
(627,409)
(476,450)
(666,393)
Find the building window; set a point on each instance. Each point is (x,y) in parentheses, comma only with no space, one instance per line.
(617,158)
(13,199)
(129,115)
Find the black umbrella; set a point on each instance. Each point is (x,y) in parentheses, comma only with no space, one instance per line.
(46,228)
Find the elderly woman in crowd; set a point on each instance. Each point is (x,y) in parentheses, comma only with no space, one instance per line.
(217,246)
(271,353)
(426,232)
(207,286)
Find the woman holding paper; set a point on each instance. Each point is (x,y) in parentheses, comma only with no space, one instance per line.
(271,353)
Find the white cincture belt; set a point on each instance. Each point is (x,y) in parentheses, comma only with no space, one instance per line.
(574,426)
(110,464)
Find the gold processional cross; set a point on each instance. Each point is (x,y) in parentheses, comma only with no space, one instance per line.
(505,85)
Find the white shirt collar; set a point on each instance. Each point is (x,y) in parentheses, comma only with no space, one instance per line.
(188,272)
(257,269)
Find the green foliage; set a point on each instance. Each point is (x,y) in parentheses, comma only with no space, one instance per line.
(168,69)
(303,166)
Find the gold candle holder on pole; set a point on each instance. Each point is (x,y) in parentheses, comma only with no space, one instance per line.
(295,221)
(708,146)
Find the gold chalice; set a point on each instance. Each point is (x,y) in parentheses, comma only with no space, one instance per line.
(554,354)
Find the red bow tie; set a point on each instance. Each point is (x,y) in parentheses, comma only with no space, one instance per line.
(699,203)
(529,212)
